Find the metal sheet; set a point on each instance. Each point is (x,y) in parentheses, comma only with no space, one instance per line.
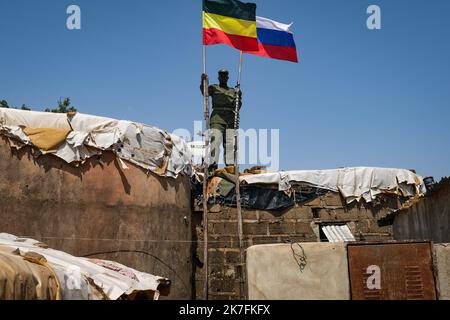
(404,271)
(340,233)
(298,271)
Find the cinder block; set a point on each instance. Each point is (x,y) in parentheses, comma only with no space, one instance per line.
(231,213)
(232,257)
(219,241)
(231,228)
(365,213)
(216,256)
(257,228)
(227,296)
(282,228)
(216,271)
(316,202)
(303,213)
(297,213)
(362,226)
(333,199)
(303,228)
(346,214)
(223,228)
(374,228)
(235,241)
(289,214)
(216,208)
(293,239)
(268,215)
(250,214)
(326,214)
(217,216)
(222,285)
(265,240)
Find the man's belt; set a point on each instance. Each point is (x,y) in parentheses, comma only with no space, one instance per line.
(223,109)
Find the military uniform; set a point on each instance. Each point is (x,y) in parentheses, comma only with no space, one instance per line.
(222,119)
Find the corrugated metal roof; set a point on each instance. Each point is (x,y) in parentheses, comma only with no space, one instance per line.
(338,233)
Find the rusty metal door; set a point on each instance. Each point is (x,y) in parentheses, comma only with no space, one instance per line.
(394,271)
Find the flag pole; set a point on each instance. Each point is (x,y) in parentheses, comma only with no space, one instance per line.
(205,179)
(240,68)
(238,189)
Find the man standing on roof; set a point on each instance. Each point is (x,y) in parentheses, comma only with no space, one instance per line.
(222,118)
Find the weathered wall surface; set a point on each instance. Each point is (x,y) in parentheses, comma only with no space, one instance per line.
(100,210)
(297,224)
(442,269)
(428,219)
(274,272)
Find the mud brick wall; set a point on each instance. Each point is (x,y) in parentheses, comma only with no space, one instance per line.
(98,210)
(297,224)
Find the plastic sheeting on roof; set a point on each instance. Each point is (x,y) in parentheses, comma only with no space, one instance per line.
(354,184)
(146,146)
(77,278)
(221,190)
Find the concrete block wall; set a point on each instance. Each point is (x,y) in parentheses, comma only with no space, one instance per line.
(297,224)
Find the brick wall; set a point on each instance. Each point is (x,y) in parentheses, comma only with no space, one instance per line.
(297,224)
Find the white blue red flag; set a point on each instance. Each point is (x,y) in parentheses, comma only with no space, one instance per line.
(275,40)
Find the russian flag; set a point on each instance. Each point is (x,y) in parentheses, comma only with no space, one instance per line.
(275,40)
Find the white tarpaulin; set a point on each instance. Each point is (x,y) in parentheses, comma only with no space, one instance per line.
(83,278)
(354,184)
(146,146)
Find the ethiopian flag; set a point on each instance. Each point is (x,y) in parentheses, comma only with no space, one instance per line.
(231,22)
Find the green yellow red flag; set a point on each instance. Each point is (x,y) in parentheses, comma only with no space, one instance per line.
(231,22)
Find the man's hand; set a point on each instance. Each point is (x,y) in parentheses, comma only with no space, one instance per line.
(203,83)
(238,91)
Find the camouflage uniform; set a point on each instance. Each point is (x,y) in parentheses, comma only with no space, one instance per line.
(222,119)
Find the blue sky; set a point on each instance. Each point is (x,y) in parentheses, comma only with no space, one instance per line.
(357,98)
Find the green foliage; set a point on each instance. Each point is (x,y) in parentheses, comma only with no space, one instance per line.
(4,104)
(63,107)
